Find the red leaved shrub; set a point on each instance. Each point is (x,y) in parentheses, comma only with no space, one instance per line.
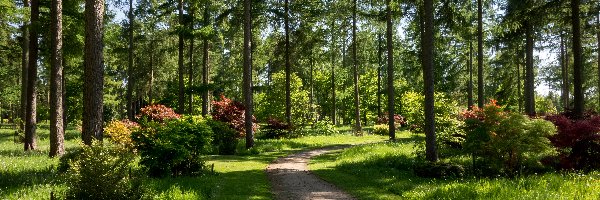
(398,120)
(231,112)
(157,113)
(578,141)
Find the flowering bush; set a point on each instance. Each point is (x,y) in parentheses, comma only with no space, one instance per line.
(276,129)
(578,142)
(505,143)
(119,132)
(398,120)
(157,113)
(231,112)
(381,129)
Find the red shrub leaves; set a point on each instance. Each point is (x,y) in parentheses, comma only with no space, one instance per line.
(398,120)
(231,112)
(578,141)
(157,113)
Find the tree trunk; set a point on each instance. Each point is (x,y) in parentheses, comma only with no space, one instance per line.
(191,66)
(130,78)
(470,86)
(150,89)
(529,76)
(333,100)
(519,94)
(181,96)
(247,85)
(598,54)
(564,74)
(577,61)
(288,99)
(312,92)
(205,65)
(427,62)
(56,90)
(358,127)
(93,72)
(24,68)
(390,71)
(379,69)
(30,118)
(480,95)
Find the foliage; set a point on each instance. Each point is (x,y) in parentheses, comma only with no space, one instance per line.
(276,129)
(578,142)
(505,143)
(544,106)
(174,148)
(99,172)
(157,113)
(119,132)
(321,127)
(224,139)
(272,104)
(381,129)
(439,170)
(231,112)
(398,120)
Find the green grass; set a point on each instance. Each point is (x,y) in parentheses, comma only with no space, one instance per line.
(32,175)
(384,171)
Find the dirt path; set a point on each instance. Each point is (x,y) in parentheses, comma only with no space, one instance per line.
(291,179)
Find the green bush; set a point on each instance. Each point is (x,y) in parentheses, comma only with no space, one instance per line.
(506,143)
(224,137)
(97,172)
(381,129)
(439,170)
(174,148)
(322,127)
(119,133)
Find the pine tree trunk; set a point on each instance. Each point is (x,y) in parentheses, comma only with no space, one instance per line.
(379,69)
(480,95)
(334,99)
(24,68)
(288,99)
(577,61)
(30,118)
(181,95)
(390,71)
(470,86)
(598,54)
(564,74)
(428,71)
(191,66)
(247,80)
(93,72)
(130,78)
(519,94)
(205,64)
(358,127)
(56,90)
(529,76)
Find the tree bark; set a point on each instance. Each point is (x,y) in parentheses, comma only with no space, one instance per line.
(529,76)
(247,80)
(24,68)
(577,64)
(334,99)
(390,71)
(191,66)
(564,74)
(181,96)
(288,99)
(379,69)
(130,78)
(358,127)
(480,95)
(470,86)
(519,94)
(598,53)
(56,90)
(30,118)
(428,71)
(93,72)
(205,65)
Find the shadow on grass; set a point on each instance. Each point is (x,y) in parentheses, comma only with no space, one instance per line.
(12,181)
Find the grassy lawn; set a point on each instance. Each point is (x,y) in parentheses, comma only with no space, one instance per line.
(32,175)
(384,171)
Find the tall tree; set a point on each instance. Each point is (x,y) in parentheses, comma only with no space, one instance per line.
(358,127)
(191,65)
(470,84)
(181,95)
(205,62)
(379,71)
(30,117)
(24,68)
(247,80)
(529,75)
(564,73)
(93,72)
(130,78)
(480,95)
(598,51)
(390,69)
(577,61)
(56,88)
(427,62)
(333,97)
(288,98)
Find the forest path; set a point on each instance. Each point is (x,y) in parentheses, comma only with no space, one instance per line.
(291,178)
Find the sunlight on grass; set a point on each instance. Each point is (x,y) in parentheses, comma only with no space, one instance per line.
(384,171)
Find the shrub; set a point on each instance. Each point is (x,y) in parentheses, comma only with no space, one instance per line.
(157,113)
(175,147)
(381,129)
(322,127)
(225,139)
(439,170)
(505,143)
(231,112)
(276,129)
(398,120)
(578,141)
(119,132)
(98,172)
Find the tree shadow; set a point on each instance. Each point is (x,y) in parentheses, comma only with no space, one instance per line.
(14,180)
